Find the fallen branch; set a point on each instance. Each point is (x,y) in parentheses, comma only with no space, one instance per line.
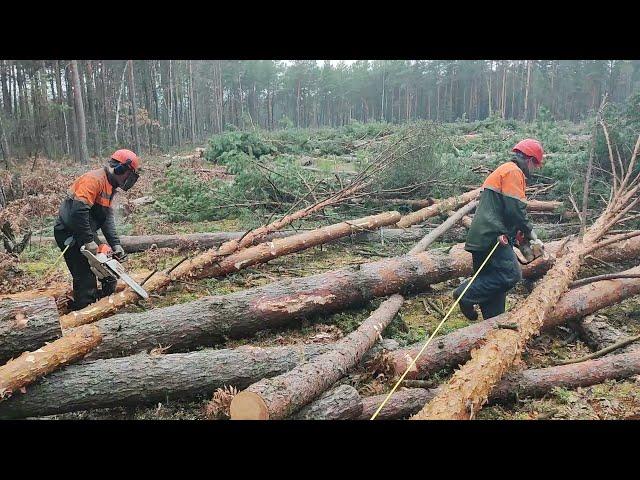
(604,351)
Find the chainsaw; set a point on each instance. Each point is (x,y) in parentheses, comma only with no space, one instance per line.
(104,265)
(530,250)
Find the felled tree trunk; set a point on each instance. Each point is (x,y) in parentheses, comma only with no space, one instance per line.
(242,314)
(470,386)
(598,334)
(534,382)
(142,379)
(537,382)
(27,325)
(283,395)
(339,403)
(438,208)
(61,292)
(29,366)
(190,241)
(454,348)
(202,267)
(279,397)
(402,403)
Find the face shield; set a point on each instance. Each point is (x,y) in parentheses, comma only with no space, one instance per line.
(129,180)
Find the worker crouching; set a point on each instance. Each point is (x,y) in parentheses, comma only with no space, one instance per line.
(87,209)
(501,212)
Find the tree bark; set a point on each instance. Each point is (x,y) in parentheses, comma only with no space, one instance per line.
(201,267)
(281,396)
(144,378)
(241,314)
(79,109)
(534,382)
(61,290)
(471,385)
(27,325)
(438,208)
(141,243)
(455,348)
(339,403)
(132,97)
(29,366)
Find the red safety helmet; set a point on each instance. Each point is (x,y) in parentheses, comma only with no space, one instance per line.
(531,148)
(127,157)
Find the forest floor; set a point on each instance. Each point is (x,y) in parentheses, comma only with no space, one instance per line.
(37,210)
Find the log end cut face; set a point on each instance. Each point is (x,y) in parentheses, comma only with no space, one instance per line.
(248,406)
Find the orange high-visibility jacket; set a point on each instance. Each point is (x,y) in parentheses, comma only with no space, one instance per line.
(502,208)
(87,208)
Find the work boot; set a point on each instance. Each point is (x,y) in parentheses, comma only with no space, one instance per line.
(467,309)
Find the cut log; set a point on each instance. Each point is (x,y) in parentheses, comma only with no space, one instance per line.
(190,241)
(339,403)
(470,386)
(598,334)
(199,268)
(63,292)
(29,366)
(438,208)
(535,382)
(402,404)
(240,314)
(455,348)
(281,396)
(145,379)
(27,325)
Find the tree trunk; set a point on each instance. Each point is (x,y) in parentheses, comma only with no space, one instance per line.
(132,97)
(598,334)
(115,132)
(62,291)
(29,366)
(79,109)
(438,208)
(526,92)
(151,378)
(455,348)
(283,395)
(192,104)
(535,382)
(92,103)
(402,404)
(470,386)
(339,403)
(27,325)
(208,264)
(241,314)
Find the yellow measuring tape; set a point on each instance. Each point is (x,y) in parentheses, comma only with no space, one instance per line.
(56,262)
(413,362)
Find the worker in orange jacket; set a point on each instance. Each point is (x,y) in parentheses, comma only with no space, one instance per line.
(502,210)
(86,209)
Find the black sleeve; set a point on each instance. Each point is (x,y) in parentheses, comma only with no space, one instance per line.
(109,229)
(81,222)
(516,210)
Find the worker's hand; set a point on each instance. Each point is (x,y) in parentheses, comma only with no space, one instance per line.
(119,253)
(92,247)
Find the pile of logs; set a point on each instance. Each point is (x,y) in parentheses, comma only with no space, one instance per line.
(100,358)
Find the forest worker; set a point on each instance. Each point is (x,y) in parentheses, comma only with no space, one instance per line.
(502,210)
(87,209)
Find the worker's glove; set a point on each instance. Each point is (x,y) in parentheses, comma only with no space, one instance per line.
(533,236)
(119,253)
(92,247)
